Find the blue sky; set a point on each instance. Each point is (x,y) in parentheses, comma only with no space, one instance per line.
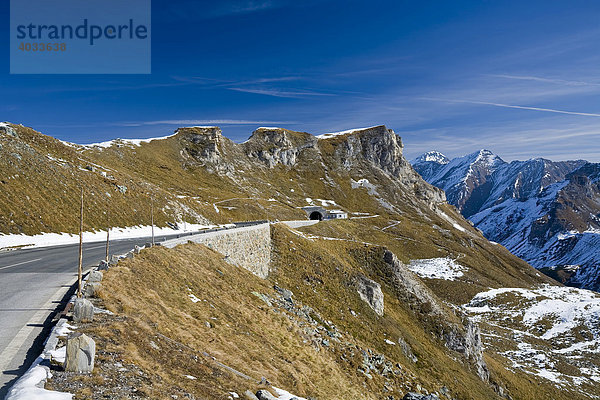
(519,78)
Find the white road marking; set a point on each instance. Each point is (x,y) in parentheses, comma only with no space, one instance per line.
(21,263)
(92,248)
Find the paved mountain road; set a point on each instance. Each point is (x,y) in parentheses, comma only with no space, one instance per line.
(32,284)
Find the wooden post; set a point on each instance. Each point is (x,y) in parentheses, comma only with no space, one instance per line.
(152,216)
(107,235)
(80,268)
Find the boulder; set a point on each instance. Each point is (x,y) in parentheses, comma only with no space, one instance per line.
(81,350)
(407,350)
(114,260)
(249,395)
(286,293)
(91,289)
(95,276)
(265,395)
(83,310)
(137,249)
(417,396)
(8,130)
(103,266)
(370,292)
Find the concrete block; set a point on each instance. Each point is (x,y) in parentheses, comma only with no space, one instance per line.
(81,351)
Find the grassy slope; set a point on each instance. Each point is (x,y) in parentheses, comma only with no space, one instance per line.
(39,173)
(262,341)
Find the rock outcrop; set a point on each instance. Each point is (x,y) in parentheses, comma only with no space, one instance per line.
(370,292)
(467,341)
(8,130)
(463,338)
(382,148)
(274,146)
(207,147)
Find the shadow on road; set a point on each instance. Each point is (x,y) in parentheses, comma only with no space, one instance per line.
(38,344)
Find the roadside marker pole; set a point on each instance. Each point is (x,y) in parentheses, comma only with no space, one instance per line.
(152,216)
(107,235)
(80,270)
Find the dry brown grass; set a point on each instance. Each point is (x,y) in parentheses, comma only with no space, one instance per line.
(245,335)
(160,331)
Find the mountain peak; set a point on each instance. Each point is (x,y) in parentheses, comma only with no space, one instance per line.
(485,157)
(431,156)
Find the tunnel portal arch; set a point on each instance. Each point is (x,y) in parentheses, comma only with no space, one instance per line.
(316,216)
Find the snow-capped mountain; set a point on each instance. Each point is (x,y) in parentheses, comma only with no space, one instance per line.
(458,177)
(543,211)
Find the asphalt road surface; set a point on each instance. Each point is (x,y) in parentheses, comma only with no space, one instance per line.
(33,282)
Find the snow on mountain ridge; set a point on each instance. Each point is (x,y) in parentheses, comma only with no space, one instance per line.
(132,142)
(461,175)
(431,156)
(341,133)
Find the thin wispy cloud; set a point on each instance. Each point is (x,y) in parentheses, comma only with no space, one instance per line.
(176,81)
(193,10)
(244,7)
(552,110)
(280,92)
(545,80)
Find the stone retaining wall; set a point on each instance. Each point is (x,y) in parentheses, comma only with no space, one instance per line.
(249,247)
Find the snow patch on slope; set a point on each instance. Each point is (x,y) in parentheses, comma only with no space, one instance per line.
(550,326)
(284,395)
(437,268)
(452,221)
(27,388)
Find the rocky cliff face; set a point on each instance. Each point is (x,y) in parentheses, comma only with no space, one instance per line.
(274,146)
(359,152)
(461,337)
(207,147)
(380,147)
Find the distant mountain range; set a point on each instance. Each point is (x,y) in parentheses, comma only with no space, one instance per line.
(546,212)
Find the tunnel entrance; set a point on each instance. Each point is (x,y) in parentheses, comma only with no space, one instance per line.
(316,216)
